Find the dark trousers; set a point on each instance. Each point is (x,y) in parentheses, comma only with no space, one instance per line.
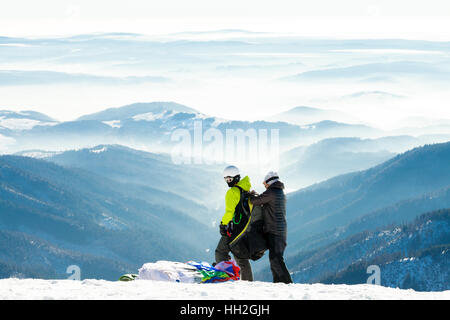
(277,245)
(223,254)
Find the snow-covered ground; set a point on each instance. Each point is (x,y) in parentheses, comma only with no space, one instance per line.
(240,290)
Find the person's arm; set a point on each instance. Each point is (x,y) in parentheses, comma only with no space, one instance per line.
(258,200)
(232,198)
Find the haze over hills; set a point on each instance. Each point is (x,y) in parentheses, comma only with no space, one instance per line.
(380,71)
(226,71)
(306,115)
(326,159)
(307,165)
(22,120)
(150,176)
(27,114)
(150,126)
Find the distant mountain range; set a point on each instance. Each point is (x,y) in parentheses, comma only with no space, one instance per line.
(45,77)
(413,255)
(150,126)
(11,121)
(416,176)
(336,148)
(306,115)
(149,176)
(375,72)
(53,216)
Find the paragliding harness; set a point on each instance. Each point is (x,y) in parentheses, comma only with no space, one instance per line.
(247,240)
(241,215)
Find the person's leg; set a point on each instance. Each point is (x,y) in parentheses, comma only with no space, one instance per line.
(246,269)
(280,273)
(222,253)
(222,250)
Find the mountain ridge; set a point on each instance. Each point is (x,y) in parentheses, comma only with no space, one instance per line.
(87,214)
(340,200)
(130,110)
(389,247)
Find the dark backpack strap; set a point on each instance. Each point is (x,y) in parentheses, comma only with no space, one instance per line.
(243,201)
(241,215)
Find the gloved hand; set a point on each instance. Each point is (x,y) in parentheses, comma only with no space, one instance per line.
(229,229)
(226,230)
(223,229)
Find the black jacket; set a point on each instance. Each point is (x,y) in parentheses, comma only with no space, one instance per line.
(273,201)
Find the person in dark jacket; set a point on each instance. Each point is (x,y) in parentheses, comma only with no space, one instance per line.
(273,201)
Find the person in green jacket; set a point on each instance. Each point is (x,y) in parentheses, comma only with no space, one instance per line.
(232,221)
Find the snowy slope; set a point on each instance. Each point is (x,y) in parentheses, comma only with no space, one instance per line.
(160,290)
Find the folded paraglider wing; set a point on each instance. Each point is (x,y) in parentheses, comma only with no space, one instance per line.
(251,243)
(189,272)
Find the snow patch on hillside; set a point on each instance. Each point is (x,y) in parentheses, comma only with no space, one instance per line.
(113,123)
(150,116)
(160,290)
(100,150)
(38,154)
(22,124)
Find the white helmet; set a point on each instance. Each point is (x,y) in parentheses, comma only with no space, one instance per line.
(231,171)
(271,177)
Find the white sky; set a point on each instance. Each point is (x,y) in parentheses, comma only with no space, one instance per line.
(330,18)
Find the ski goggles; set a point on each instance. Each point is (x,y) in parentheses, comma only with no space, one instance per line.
(228,179)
